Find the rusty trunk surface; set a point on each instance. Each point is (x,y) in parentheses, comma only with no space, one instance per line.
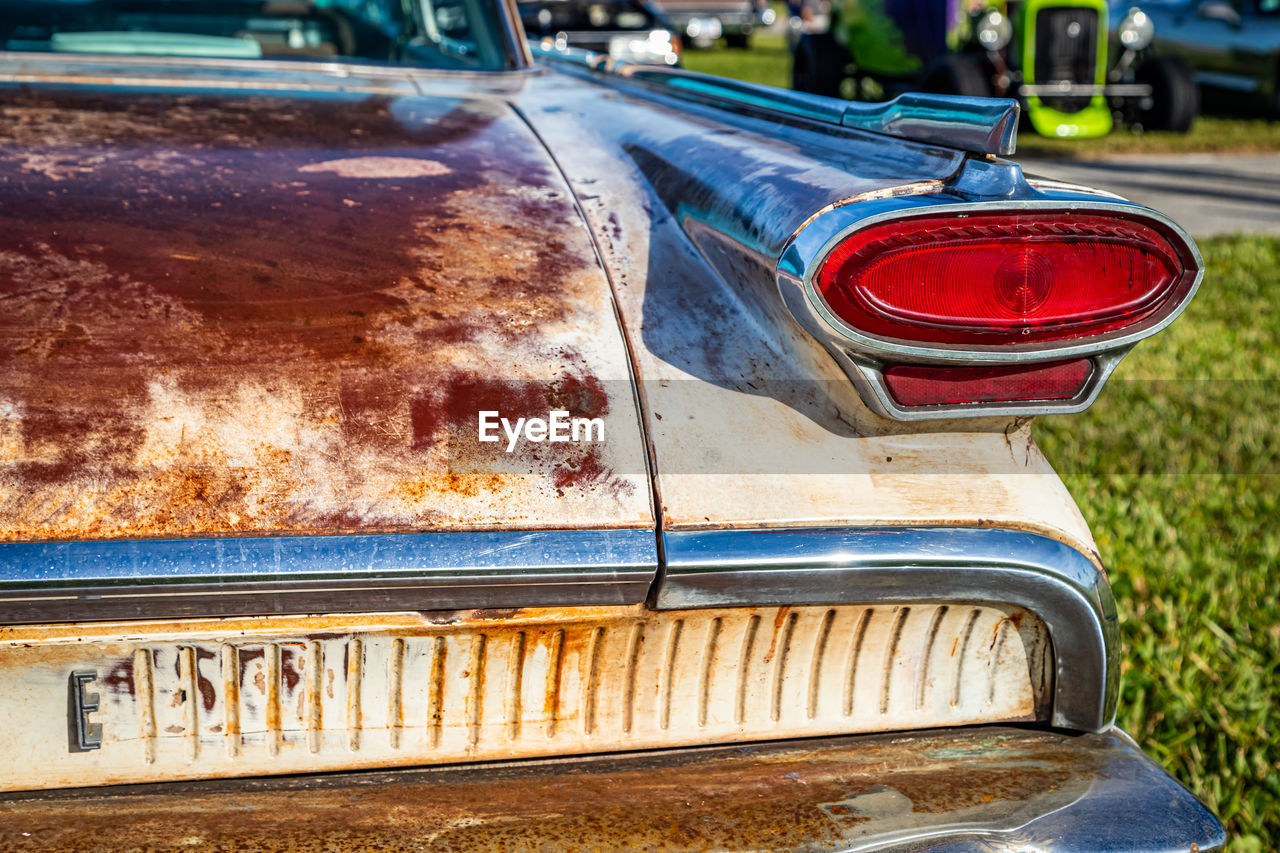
(997,786)
(240,313)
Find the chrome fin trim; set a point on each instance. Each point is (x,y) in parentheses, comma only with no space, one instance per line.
(123,579)
(1064,588)
(980,125)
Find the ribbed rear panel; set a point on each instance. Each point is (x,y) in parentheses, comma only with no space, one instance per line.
(200,700)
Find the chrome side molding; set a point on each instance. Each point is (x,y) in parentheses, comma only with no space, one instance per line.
(128,579)
(980,125)
(1069,592)
(178,578)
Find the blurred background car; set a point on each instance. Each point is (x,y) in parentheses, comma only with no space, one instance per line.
(1055,57)
(703,22)
(1233,48)
(623,29)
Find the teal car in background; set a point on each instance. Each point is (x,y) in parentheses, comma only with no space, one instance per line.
(1073,72)
(1233,48)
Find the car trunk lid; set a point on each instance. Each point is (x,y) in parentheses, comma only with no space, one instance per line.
(280,312)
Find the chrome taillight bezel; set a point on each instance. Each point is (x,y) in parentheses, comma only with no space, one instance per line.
(864,357)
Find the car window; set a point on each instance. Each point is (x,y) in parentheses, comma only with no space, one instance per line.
(430,33)
(545,18)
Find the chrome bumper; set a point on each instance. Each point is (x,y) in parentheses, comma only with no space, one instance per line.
(1068,90)
(958,790)
(730,22)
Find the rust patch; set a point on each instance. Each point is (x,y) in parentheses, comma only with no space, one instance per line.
(208,695)
(214,325)
(248,656)
(120,679)
(288,669)
(779,619)
(815,795)
(493,613)
(379,167)
(457,404)
(585,471)
(1014,620)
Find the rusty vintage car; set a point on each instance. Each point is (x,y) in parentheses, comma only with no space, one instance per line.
(410,442)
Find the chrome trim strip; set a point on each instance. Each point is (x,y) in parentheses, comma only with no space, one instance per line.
(84,581)
(1067,590)
(981,125)
(264,75)
(515,40)
(1116,90)
(1223,80)
(72,62)
(982,185)
(64,581)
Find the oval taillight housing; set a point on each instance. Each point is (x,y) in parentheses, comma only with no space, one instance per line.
(1005,278)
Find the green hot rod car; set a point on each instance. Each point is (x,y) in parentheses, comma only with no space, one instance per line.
(1055,56)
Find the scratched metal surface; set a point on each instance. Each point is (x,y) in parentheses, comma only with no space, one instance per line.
(750,421)
(976,789)
(254,312)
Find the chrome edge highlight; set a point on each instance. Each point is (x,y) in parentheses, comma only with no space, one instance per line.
(1067,590)
(171,578)
(980,125)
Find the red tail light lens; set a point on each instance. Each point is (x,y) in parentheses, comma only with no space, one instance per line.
(931,385)
(1004,278)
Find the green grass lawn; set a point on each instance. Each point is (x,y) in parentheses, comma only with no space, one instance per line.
(1177,469)
(768,61)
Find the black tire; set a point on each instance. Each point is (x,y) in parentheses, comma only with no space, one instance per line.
(738,41)
(958,74)
(1174,95)
(818,65)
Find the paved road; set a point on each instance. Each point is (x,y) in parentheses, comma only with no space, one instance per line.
(1206,193)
